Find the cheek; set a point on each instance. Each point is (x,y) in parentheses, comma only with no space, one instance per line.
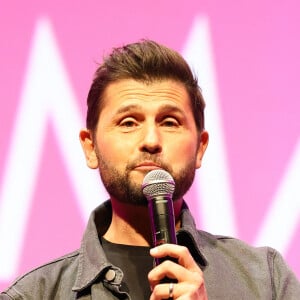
(183,149)
(113,150)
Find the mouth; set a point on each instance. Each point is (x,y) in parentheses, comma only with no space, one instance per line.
(147,166)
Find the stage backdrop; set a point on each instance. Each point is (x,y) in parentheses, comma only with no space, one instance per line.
(246,55)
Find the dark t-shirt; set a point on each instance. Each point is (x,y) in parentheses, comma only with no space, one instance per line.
(135,262)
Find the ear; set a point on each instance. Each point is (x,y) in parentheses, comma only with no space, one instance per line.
(203,142)
(88,147)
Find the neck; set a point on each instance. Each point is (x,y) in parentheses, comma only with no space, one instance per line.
(130,224)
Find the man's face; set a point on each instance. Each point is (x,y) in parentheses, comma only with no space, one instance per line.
(143,127)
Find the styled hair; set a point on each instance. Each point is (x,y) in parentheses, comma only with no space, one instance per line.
(145,61)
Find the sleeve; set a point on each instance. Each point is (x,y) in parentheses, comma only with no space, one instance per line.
(285,283)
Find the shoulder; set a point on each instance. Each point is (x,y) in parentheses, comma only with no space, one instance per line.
(261,268)
(45,279)
(233,247)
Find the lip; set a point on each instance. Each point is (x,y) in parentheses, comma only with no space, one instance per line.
(147,166)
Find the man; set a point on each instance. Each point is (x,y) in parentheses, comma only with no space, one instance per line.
(145,112)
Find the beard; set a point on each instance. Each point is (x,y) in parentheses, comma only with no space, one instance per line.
(120,187)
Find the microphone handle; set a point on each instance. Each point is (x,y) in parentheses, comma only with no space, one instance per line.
(162,222)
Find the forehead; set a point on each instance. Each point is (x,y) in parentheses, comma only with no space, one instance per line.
(128,91)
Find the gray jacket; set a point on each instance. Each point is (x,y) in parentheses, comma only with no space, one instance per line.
(232,269)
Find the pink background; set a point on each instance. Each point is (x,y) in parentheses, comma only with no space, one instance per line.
(246,55)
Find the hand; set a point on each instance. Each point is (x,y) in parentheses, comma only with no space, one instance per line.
(190,281)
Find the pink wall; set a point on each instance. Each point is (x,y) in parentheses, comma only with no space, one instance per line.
(247,59)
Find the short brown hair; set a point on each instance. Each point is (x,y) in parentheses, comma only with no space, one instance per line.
(145,61)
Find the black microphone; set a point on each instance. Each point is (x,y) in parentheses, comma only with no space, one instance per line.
(158,187)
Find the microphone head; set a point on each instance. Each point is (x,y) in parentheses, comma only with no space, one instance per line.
(158,183)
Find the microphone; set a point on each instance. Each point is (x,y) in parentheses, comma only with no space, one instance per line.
(158,187)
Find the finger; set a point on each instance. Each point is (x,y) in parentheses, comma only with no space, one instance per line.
(181,253)
(163,291)
(179,291)
(174,271)
(167,269)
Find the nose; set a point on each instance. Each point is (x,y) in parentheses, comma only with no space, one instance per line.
(151,140)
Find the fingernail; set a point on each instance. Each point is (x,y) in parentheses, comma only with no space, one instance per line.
(153,250)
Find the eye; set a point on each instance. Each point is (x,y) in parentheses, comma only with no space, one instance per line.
(128,123)
(170,122)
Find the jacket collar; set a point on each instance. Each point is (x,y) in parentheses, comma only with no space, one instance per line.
(188,235)
(92,260)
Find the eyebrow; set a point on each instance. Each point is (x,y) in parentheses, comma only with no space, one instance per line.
(128,108)
(172,108)
(131,107)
